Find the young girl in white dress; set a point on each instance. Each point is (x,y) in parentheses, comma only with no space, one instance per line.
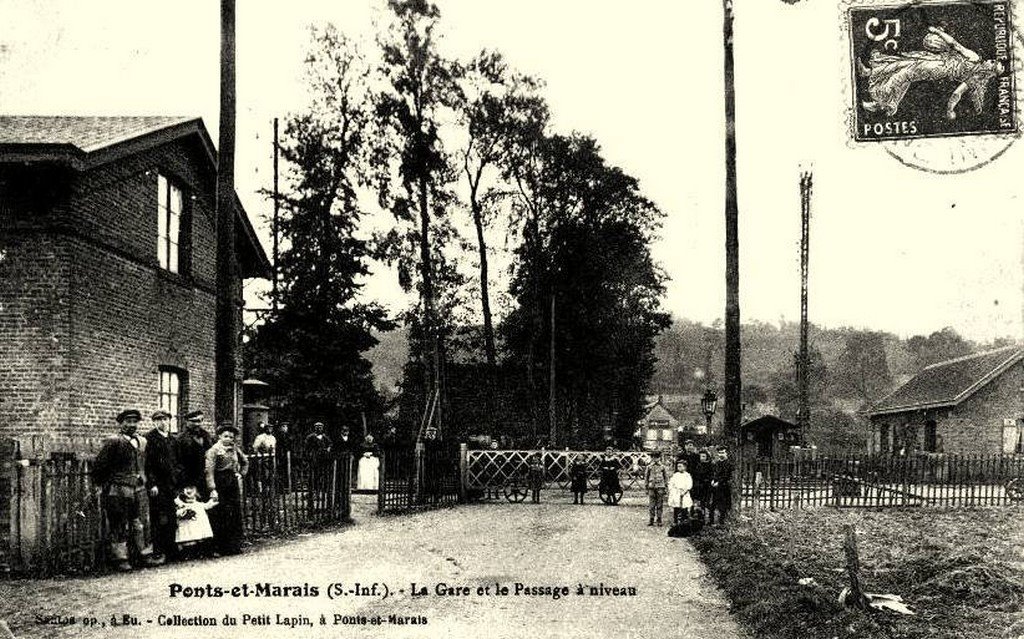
(193,522)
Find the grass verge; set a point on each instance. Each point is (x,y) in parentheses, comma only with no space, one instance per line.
(961,572)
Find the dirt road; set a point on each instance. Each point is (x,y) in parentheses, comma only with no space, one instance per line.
(583,571)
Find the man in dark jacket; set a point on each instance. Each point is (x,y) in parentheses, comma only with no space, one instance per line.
(721,487)
(119,471)
(162,482)
(192,447)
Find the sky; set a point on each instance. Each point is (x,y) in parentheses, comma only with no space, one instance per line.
(892,247)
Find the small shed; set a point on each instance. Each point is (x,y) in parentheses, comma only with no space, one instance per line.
(769,437)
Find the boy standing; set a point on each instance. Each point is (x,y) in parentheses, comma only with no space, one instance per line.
(655,481)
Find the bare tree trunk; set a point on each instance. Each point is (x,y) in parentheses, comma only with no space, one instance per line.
(433,378)
(485,298)
(228,279)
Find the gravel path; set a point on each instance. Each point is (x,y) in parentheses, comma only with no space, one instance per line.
(476,547)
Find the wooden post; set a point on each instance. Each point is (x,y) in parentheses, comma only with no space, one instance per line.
(228,322)
(733,383)
(856,598)
(463,468)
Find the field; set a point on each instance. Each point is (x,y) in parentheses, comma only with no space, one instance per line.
(960,571)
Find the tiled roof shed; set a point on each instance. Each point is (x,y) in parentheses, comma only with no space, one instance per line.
(948,383)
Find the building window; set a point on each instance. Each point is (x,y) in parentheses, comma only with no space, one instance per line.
(667,435)
(169,214)
(930,444)
(173,394)
(884,444)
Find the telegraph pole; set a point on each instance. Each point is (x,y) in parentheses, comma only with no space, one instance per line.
(277,208)
(733,383)
(228,280)
(803,365)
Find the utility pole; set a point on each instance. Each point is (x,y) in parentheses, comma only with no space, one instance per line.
(804,362)
(228,280)
(277,230)
(552,393)
(733,389)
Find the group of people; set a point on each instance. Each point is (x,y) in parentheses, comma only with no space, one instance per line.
(184,489)
(700,486)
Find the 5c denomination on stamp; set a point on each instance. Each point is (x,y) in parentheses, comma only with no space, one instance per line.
(932,69)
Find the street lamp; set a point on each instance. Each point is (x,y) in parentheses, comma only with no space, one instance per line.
(708,404)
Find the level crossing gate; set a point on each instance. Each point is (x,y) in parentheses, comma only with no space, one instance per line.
(494,470)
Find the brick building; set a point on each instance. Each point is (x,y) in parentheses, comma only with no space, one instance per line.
(108,271)
(968,405)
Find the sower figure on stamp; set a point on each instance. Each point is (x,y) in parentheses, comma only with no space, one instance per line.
(162,482)
(943,59)
(225,466)
(655,481)
(192,447)
(119,471)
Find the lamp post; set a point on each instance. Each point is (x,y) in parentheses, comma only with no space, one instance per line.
(708,404)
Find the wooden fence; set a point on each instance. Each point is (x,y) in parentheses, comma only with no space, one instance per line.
(489,470)
(881,481)
(53,523)
(418,477)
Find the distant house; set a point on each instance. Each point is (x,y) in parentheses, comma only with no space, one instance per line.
(667,418)
(965,405)
(108,271)
(768,436)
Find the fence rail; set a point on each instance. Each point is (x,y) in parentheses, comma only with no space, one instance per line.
(53,522)
(877,481)
(492,469)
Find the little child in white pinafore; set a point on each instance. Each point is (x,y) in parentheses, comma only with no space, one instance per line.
(193,522)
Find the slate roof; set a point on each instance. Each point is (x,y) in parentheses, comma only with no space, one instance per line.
(86,133)
(948,383)
(767,422)
(83,142)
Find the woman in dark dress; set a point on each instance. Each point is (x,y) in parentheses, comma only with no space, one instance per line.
(225,465)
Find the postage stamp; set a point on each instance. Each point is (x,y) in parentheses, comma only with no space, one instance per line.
(932,70)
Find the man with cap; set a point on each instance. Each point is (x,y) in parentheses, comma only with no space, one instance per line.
(721,487)
(162,482)
(192,447)
(225,466)
(318,444)
(318,451)
(119,471)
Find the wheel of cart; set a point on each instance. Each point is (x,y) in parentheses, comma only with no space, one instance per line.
(1015,489)
(609,489)
(516,489)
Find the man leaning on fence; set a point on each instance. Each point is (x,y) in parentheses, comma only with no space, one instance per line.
(119,471)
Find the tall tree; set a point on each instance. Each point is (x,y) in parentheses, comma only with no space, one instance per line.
(595,229)
(498,105)
(421,87)
(311,350)
(863,368)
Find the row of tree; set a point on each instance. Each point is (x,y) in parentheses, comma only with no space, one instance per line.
(849,368)
(445,146)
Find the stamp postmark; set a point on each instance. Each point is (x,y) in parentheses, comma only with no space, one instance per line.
(932,70)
